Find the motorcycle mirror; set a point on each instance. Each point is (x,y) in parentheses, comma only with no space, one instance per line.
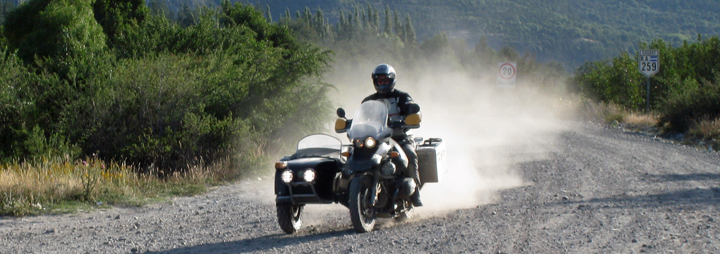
(340,112)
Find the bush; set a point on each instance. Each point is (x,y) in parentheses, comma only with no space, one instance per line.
(696,102)
(685,90)
(163,96)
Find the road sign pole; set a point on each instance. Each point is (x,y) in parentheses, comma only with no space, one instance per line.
(647,101)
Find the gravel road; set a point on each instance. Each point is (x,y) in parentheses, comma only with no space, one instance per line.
(581,189)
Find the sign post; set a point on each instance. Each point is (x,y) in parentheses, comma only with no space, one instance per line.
(506,74)
(649,65)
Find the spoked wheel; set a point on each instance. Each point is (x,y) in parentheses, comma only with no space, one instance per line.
(361,213)
(289,217)
(407,214)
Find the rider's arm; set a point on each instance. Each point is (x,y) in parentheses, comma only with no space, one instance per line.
(407,105)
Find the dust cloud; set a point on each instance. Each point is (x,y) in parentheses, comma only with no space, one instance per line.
(488,130)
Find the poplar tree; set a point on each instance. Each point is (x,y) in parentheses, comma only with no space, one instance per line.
(268,14)
(388,22)
(409,31)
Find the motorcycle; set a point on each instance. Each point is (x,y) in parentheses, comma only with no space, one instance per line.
(365,176)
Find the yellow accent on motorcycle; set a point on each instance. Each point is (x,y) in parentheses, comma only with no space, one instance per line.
(394,154)
(345,154)
(280,165)
(340,124)
(413,119)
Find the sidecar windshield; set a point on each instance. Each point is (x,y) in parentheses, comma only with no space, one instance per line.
(369,120)
(319,141)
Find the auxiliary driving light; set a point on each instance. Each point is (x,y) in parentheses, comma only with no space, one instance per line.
(309,175)
(287,176)
(370,142)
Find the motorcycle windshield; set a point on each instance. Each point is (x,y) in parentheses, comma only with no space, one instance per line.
(319,141)
(369,120)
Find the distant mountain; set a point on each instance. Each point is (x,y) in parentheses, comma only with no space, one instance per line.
(570,31)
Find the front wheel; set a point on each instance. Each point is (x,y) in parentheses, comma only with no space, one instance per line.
(362,213)
(289,217)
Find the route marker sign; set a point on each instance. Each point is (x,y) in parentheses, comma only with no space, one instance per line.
(649,62)
(506,74)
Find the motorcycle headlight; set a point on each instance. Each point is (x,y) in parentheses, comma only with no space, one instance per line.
(309,175)
(359,143)
(370,142)
(287,176)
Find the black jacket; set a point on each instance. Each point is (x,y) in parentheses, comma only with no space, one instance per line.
(398,103)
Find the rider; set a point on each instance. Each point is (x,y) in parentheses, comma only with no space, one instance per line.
(400,105)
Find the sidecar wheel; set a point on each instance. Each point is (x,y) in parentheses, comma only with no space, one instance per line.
(361,213)
(289,217)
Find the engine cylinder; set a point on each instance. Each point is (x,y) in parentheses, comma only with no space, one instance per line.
(388,168)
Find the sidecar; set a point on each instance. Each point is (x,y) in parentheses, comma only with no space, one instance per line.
(310,176)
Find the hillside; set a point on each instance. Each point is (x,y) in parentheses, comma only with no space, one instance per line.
(567,31)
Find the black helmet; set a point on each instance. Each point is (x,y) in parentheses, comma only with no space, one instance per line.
(389,72)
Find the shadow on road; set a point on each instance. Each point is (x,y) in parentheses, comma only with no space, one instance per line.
(689,198)
(685,177)
(257,244)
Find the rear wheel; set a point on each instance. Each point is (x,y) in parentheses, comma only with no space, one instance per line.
(289,217)
(362,213)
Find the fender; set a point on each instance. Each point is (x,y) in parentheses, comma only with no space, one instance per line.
(325,169)
(365,159)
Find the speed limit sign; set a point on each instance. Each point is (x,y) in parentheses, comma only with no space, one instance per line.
(506,73)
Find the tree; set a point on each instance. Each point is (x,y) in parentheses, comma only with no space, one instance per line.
(268,14)
(54,28)
(112,15)
(5,7)
(388,29)
(409,31)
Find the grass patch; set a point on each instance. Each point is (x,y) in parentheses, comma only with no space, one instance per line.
(60,185)
(641,119)
(602,111)
(610,113)
(706,129)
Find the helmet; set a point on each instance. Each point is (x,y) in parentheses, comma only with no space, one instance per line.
(384,70)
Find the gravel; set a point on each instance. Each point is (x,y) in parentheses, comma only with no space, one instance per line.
(593,189)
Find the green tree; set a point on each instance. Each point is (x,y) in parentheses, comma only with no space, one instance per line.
(388,29)
(113,14)
(54,28)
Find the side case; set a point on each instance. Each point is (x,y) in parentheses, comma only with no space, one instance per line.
(431,160)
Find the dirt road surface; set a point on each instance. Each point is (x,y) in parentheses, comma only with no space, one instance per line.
(581,189)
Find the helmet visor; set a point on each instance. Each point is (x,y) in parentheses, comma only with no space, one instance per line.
(382,80)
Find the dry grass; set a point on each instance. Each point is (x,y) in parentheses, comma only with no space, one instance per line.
(641,119)
(707,129)
(602,111)
(32,187)
(611,112)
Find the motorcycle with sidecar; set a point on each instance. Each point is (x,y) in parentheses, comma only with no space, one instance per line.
(366,176)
